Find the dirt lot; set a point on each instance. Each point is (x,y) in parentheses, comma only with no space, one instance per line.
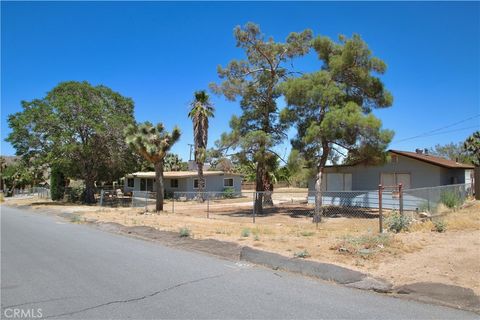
(420,255)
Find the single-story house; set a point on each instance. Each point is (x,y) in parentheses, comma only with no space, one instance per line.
(184,181)
(412,169)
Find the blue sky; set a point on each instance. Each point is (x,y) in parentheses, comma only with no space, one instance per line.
(159,53)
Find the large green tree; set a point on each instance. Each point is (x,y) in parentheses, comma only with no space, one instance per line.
(255,80)
(153,143)
(78,127)
(201,110)
(332,107)
(452,151)
(472,146)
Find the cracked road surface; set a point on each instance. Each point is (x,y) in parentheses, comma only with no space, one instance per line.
(75,271)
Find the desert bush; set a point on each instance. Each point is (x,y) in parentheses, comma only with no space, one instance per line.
(364,246)
(426,207)
(398,222)
(75,194)
(451,199)
(302,254)
(307,233)
(228,193)
(439,226)
(245,232)
(184,232)
(75,218)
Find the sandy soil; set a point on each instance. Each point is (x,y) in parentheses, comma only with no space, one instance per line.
(420,255)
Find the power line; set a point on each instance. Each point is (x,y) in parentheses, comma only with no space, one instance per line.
(435,131)
(440,133)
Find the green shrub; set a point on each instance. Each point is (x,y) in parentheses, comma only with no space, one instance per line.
(245,232)
(302,254)
(229,193)
(307,233)
(75,194)
(439,226)
(398,222)
(184,232)
(427,207)
(451,199)
(57,184)
(256,238)
(75,218)
(364,246)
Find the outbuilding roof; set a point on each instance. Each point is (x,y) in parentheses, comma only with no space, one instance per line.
(180,174)
(439,161)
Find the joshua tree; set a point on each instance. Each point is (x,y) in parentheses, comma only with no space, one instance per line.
(153,143)
(201,110)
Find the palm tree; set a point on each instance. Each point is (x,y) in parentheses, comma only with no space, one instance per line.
(153,143)
(201,110)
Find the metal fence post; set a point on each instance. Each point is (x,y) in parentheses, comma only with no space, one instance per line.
(146,200)
(102,193)
(208,205)
(380,211)
(400,198)
(254,196)
(173,203)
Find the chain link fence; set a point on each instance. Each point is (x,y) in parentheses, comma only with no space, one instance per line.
(228,205)
(432,199)
(41,192)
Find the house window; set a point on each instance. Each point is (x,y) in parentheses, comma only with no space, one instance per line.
(150,184)
(143,184)
(337,182)
(228,182)
(130,182)
(195,183)
(174,183)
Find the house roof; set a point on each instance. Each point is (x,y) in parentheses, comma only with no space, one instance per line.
(180,174)
(439,161)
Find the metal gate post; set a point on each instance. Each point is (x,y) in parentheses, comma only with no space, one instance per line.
(254,204)
(208,206)
(400,197)
(380,211)
(102,193)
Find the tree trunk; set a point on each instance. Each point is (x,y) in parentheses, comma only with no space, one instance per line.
(318,195)
(268,187)
(259,187)
(318,183)
(89,196)
(159,186)
(201,182)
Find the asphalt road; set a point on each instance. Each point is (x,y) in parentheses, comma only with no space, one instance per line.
(65,270)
